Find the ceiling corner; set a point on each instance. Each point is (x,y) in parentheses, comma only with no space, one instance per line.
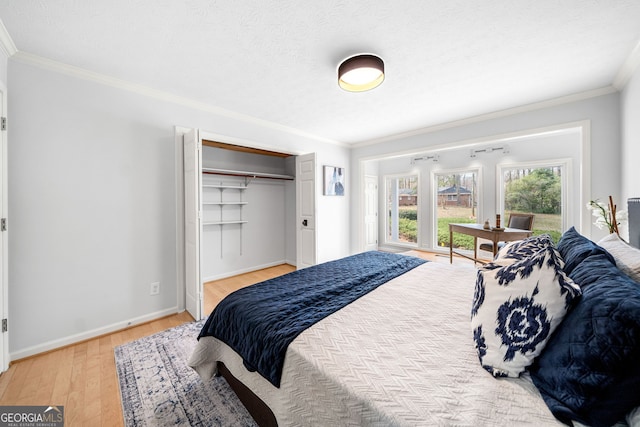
(628,68)
(6,42)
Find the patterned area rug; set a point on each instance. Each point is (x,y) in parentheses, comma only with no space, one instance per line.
(159,389)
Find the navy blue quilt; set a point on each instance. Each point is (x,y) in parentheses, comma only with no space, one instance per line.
(589,370)
(260,321)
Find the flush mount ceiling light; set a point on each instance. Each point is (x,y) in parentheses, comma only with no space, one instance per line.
(360,73)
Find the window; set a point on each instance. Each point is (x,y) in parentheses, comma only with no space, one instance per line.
(456,200)
(537,189)
(402,209)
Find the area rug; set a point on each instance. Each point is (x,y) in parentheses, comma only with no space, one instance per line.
(159,389)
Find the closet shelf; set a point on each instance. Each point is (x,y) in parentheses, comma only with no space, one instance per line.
(223,186)
(246,174)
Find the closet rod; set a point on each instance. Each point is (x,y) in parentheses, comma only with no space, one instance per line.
(246,174)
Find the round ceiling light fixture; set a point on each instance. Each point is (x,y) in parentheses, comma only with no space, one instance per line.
(360,73)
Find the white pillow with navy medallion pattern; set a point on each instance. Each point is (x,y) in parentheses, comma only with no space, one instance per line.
(517,307)
(521,249)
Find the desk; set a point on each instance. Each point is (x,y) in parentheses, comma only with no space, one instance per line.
(477,230)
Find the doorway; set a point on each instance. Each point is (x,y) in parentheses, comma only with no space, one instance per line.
(246,233)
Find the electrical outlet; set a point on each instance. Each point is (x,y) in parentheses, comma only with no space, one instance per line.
(155,288)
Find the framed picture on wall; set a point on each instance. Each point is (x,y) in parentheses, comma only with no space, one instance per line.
(333,181)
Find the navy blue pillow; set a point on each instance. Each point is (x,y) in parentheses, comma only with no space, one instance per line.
(574,248)
(590,368)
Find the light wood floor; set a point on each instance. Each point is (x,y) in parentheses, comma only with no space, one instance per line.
(82,377)
(215,291)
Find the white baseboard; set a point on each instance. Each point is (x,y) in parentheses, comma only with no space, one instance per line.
(244,270)
(72,339)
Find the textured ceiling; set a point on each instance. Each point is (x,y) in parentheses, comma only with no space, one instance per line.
(276,60)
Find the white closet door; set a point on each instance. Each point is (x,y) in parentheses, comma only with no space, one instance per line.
(306,210)
(192,221)
(4,277)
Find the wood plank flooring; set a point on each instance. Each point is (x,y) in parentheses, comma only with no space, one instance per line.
(216,290)
(82,377)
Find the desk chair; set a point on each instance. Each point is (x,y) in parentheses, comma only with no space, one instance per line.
(516,220)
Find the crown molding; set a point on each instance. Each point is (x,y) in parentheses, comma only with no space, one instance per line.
(6,42)
(106,80)
(490,116)
(628,68)
(7,45)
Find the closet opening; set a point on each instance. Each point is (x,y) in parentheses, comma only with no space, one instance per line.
(248,198)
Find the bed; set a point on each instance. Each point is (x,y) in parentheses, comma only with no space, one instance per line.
(402,354)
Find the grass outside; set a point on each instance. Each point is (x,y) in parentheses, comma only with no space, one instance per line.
(543,223)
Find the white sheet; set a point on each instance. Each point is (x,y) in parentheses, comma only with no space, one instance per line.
(402,355)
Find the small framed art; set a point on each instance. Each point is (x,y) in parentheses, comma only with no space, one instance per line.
(333,181)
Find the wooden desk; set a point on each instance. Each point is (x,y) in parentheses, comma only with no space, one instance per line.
(477,230)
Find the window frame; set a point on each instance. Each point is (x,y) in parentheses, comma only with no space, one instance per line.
(387,225)
(567,200)
(477,169)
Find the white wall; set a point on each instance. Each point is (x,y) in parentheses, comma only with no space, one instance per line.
(92,194)
(630,101)
(261,242)
(603,112)
(332,212)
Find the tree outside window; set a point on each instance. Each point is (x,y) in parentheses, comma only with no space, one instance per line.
(536,190)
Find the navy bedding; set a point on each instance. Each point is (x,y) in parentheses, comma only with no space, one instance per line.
(260,321)
(589,371)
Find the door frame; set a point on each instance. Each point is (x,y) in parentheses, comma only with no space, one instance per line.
(4,237)
(179,132)
(367,179)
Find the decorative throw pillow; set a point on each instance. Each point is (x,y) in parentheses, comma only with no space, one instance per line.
(521,249)
(516,308)
(574,248)
(589,371)
(626,256)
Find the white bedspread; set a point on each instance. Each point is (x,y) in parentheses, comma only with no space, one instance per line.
(402,355)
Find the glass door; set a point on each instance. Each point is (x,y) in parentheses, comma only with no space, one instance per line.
(456,201)
(401,194)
